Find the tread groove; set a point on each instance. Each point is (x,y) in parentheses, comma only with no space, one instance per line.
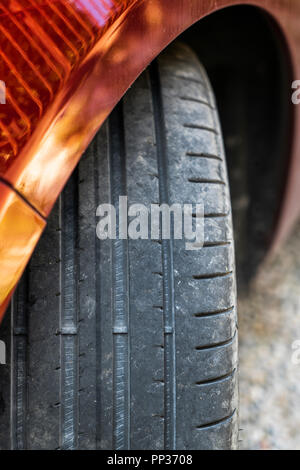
(209,156)
(201,128)
(190,79)
(216,380)
(215,215)
(168,268)
(216,423)
(216,345)
(213,313)
(19,358)
(216,244)
(196,100)
(211,276)
(120,307)
(68,316)
(204,180)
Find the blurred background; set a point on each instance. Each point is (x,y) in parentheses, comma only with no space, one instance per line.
(269,323)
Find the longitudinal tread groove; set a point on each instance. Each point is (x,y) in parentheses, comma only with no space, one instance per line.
(98,278)
(68,316)
(168,268)
(121,353)
(19,359)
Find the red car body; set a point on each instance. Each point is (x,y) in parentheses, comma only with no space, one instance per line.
(65,64)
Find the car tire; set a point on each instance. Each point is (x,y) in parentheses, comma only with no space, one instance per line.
(131,344)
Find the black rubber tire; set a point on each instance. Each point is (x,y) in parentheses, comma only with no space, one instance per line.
(131,344)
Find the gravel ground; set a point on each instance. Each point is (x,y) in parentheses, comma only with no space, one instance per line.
(269,324)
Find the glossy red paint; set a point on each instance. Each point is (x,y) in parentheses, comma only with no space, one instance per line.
(98,50)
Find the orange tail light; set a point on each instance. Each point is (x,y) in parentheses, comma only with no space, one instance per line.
(41,43)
